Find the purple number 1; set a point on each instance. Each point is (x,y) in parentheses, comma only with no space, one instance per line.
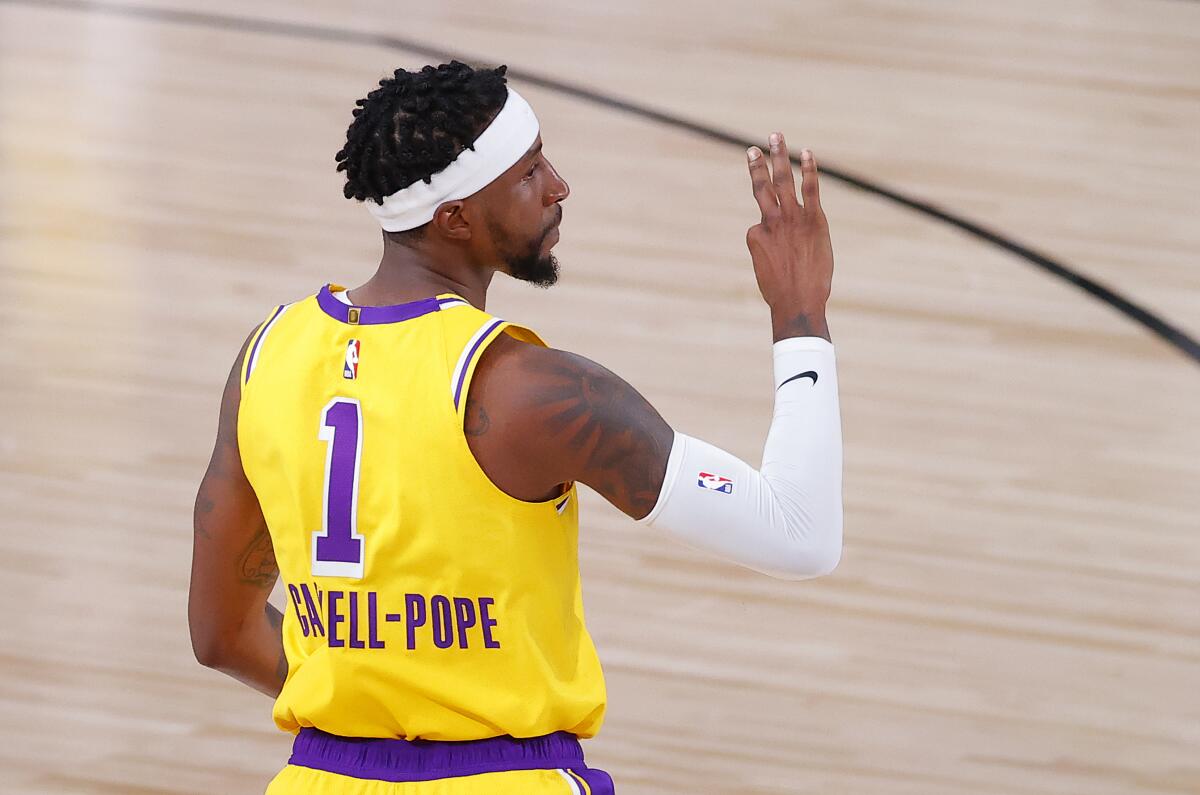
(337,549)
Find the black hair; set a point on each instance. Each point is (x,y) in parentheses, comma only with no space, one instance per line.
(415,124)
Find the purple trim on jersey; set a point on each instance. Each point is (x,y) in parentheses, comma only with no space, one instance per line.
(471,355)
(375,315)
(257,342)
(429,760)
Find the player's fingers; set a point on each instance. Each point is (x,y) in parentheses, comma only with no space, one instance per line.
(760,182)
(809,187)
(781,172)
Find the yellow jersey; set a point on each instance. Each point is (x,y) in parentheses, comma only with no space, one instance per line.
(422,601)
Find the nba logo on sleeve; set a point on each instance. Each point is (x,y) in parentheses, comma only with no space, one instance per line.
(350,369)
(716,483)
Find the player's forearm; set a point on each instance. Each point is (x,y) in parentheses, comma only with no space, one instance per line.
(254,654)
(802,457)
(786,518)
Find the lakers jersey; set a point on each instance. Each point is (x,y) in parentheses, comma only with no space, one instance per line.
(422,601)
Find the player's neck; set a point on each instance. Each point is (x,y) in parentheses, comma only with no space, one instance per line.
(407,274)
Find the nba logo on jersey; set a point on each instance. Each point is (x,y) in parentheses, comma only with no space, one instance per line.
(716,483)
(350,369)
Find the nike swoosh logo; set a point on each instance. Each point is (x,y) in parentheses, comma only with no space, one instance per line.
(805,374)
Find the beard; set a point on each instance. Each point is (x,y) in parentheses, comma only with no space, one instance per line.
(529,264)
(537,270)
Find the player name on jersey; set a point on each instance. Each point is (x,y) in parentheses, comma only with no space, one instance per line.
(356,619)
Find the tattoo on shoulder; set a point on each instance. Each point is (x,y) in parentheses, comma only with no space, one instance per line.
(257,565)
(621,437)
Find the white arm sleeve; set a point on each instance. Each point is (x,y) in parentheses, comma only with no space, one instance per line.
(785,520)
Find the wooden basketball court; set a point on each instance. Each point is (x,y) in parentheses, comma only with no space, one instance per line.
(1018,606)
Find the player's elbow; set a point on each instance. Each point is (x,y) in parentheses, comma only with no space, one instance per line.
(210,645)
(815,551)
(209,649)
(807,564)
(827,559)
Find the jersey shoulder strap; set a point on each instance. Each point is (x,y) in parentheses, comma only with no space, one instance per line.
(257,340)
(468,333)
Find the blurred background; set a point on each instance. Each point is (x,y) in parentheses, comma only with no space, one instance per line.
(1018,606)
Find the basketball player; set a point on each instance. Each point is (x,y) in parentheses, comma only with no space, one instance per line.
(409,464)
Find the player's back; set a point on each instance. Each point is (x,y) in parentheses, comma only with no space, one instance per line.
(423,601)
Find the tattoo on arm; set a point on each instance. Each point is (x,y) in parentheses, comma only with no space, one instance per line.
(805,324)
(204,506)
(477,421)
(622,441)
(257,565)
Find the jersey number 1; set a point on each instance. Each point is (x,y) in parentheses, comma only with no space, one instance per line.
(337,548)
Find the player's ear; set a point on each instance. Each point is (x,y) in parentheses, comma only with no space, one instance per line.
(451,222)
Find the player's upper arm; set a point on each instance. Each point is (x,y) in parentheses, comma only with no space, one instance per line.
(562,417)
(233,563)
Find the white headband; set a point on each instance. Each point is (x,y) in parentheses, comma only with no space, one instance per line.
(505,140)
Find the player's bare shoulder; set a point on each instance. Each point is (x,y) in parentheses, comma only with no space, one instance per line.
(557,416)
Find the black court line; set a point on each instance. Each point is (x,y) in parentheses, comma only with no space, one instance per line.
(1155,323)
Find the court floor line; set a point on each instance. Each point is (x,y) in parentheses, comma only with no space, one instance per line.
(1151,321)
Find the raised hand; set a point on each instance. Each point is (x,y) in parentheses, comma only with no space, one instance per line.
(790,246)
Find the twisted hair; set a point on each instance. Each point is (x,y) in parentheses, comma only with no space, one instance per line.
(415,124)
